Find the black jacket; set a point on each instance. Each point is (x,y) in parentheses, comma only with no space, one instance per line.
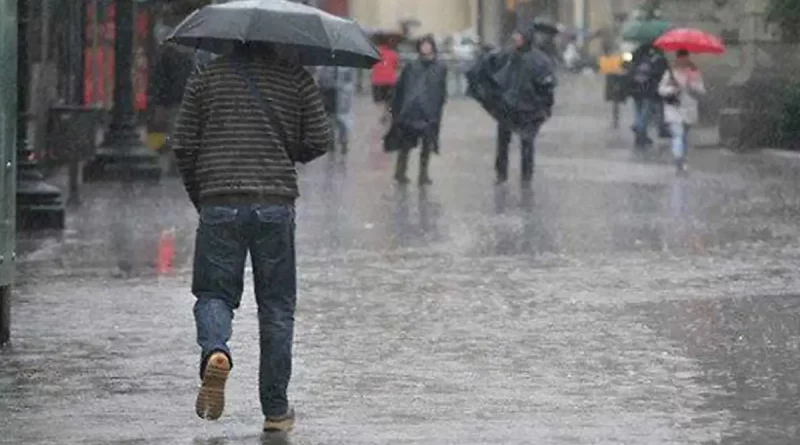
(646,69)
(418,104)
(515,87)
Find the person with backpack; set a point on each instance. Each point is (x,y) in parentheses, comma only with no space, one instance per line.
(681,87)
(648,66)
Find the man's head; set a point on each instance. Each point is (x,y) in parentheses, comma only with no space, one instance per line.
(682,54)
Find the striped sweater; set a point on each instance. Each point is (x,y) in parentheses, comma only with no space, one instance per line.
(226,148)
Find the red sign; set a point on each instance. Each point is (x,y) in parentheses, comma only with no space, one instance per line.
(99,56)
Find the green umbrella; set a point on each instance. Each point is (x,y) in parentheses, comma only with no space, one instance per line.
(646,31)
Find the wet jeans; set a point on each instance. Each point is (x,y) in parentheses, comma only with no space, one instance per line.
(680,141)
(646,110)
(224,236)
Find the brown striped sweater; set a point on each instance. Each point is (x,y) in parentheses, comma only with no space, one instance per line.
(227,151)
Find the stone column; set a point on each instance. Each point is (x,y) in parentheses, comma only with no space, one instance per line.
(123,155)
(8,123)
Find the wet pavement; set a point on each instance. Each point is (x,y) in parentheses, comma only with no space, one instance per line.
(610,303)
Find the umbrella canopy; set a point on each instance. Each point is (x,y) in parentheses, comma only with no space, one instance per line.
(692,40)
(645,31)
(300,33)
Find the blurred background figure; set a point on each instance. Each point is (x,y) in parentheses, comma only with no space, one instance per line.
(572,56)
(337,86)
(384,77)
(172,67)
(417,110)
(465,51)
(517,88)
(680,88)
(646,70)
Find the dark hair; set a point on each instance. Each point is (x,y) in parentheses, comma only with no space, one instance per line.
(430,39)
(683,53)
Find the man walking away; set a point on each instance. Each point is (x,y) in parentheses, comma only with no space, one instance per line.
(647,68)
(417,110)
(246,119)
(528,88)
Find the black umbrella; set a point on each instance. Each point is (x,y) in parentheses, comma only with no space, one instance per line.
(301,33)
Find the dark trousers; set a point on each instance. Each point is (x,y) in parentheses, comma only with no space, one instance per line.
(527,147)
(428,146)
(224,236)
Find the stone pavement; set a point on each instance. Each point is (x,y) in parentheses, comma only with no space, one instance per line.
(611,303)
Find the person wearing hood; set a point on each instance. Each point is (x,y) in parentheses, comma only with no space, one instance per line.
(527,85)
(417,108)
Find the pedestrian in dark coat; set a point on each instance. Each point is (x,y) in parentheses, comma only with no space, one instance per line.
(647,69)
(417,109)
(517,88)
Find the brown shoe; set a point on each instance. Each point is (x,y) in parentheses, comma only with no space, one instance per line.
(282,424)
(211,398)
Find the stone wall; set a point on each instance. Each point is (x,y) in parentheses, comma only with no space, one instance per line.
(755,98)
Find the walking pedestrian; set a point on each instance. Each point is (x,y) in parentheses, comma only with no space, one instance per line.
(527,82)
(337,86)
(384,78)
(648,66)
(245,121)
(417,110)
(681,87)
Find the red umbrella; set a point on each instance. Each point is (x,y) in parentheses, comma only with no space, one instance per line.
(692,40)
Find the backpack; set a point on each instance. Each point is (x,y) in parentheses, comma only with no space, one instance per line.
(643,71)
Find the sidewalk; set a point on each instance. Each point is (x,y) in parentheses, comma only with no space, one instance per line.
(612,303)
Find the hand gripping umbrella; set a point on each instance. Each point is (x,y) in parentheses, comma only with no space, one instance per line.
(303,34)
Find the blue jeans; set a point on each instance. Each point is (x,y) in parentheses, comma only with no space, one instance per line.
(680,140)
(224,236)
(646,108)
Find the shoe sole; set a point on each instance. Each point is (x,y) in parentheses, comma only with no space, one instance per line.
(283,425)
(211,397)
(279,426)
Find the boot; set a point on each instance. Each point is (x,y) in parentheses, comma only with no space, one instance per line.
(401,167)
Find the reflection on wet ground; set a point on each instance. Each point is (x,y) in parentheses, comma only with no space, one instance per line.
(610,302)
(748,351)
